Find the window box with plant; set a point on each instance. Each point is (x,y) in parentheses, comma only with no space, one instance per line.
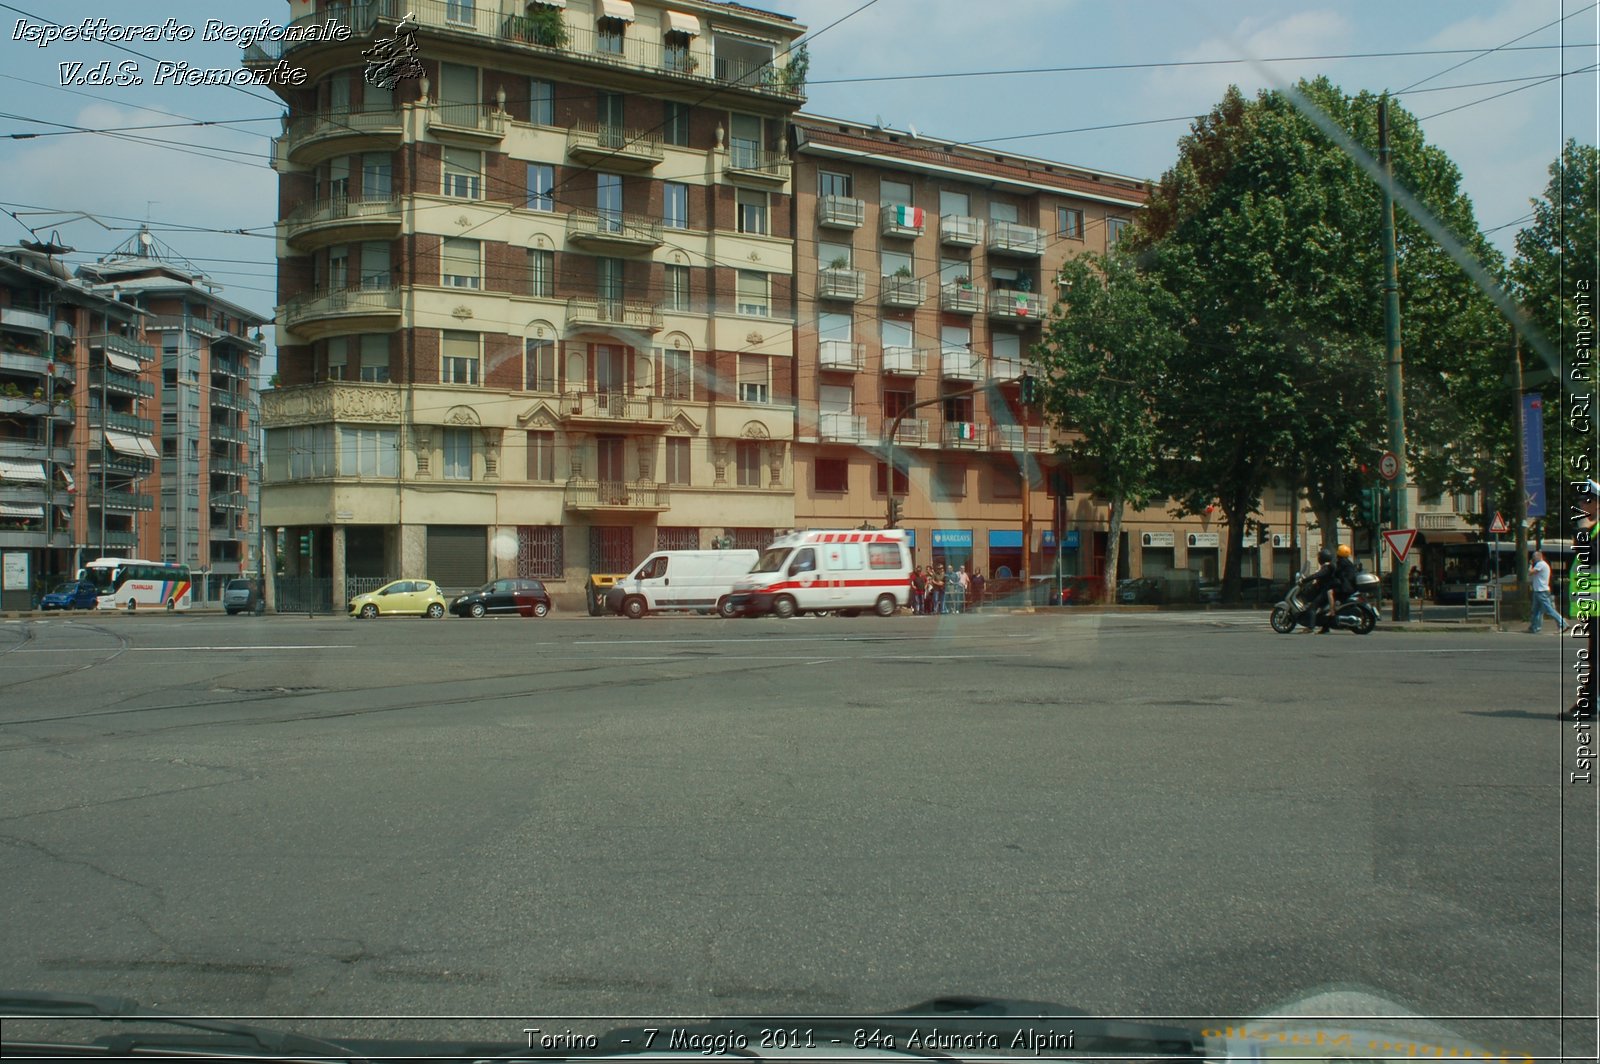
(543,26)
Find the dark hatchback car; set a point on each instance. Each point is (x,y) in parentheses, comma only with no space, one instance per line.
(73,595)
(525,597)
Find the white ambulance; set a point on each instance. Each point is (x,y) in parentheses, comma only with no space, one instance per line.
(845,571)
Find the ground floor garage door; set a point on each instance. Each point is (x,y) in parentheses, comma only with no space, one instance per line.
(458,556)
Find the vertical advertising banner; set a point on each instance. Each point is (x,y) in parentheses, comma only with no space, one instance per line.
(1533,452)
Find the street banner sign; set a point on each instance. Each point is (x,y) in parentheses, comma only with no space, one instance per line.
(1533,453)
(1399,541)
(1498,526)
(1389,466)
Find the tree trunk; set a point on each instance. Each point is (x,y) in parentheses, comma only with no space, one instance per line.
(1113,549)
(1235,507)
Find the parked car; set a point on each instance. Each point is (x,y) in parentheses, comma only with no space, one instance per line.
(527,598)
(1143,591)
(244,596)
(419,598)
(73,595)
(1251,589)
(1083,590)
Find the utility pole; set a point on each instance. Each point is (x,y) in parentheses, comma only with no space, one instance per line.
(1520,514)
(1396,389)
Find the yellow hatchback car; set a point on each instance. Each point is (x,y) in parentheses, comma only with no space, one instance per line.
(419,598)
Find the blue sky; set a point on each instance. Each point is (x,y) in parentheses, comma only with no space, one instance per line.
(1503,146)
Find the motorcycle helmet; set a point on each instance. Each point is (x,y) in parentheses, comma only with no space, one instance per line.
(1324,556)
(1345,551)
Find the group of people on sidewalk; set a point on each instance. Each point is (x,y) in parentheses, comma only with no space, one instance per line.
(945,589)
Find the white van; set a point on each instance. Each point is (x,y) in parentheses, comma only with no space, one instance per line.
(680,580)
(844,571)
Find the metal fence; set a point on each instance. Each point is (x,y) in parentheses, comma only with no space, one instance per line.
(303,594)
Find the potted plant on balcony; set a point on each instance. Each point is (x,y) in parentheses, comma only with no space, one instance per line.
(542,25)
(963,282)
(839,263)
(903,273)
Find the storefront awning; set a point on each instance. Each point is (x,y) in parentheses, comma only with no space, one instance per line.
(21,509)
(1005,539)
(127,443)
(547,3)
(618,9)
(678,22)
(15,469)
(122,362)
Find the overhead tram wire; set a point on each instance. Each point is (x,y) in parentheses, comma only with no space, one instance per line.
(1591,68)
(1498,48)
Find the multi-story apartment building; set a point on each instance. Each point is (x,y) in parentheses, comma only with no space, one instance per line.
(76,424)
(206,482)
(537,302)
(924,270)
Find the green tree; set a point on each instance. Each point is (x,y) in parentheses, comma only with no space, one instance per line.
(1267,231)
(1558,263)
(1104,358)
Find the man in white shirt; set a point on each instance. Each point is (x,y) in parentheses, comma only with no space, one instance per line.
(1540,573)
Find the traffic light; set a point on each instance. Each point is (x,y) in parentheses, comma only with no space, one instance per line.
(1030,389)
(305,544)
(1370,513)
(894,512)
(1386,503)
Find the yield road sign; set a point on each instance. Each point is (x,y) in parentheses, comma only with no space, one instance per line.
(1389,466)
(1399,541)
(1498,526)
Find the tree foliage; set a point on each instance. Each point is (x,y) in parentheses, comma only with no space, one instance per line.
(1104,357)
(1558,261)
(1268,234)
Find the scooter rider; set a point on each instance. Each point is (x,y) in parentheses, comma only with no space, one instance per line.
(1321,585)
(1341,586)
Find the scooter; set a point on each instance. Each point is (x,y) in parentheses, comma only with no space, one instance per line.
(1300,607)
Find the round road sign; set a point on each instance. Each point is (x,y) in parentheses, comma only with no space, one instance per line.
(1388,466)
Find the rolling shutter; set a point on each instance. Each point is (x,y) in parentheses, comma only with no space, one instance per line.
(458,556)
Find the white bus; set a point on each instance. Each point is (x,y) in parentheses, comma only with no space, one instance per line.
(132,583)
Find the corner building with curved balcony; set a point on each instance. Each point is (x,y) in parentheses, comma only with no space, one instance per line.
(536,304)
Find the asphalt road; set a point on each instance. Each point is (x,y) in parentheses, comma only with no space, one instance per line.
(1164,815)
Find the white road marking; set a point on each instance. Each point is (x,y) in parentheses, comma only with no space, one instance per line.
(172,650)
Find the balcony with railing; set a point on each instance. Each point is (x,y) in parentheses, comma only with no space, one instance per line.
(226,364)
(900,220)
(614,147)
(312,138)
(899,291)
(757,165)
(111,419)
(340,219)
(613,229)
(26,406)
(963,435)
(904,361)
(1032,438)
(590,495)
(751,70)
(228,467)
(912,431)
(117,344)
(27,320)
(618,409)
(28,450)
(120,383)
(1012,304)
(960,298)
(374,308)
(35,364)
(116,499)
(842,428)
(841,356)
(841,284)
(959,364)
(221,430)
(614,313)
(183,323)
(1012,239)
(960,230)
(840,212)
(476,125)
(228,400)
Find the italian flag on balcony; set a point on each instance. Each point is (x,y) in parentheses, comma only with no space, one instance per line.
(1022,304)
(907,216)
(966,430)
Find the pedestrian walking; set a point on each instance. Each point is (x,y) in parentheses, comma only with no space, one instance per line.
(1539,572)
(963,587)
(977,590)
(919,589)
(938,588)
